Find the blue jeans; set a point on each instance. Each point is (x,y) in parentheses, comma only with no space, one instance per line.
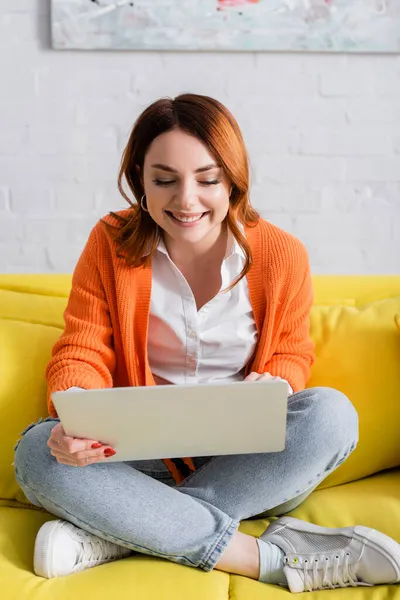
(139,506)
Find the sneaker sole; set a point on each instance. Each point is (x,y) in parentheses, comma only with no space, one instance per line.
(42,562)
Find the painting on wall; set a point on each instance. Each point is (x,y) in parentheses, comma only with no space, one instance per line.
(253,25)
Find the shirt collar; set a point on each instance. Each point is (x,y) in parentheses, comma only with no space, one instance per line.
(162,247)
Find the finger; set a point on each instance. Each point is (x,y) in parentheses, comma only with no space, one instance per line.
(104,452)
(58,449)
(74,445)
(57,437)
(64,456)
(62,448)
(63,460)
(67,459)
(85,457)
(70,444)
(57,433)
(252,377)
(57,446)
(267,377)
(53,444)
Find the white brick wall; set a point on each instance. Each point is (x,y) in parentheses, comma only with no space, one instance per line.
(323,132)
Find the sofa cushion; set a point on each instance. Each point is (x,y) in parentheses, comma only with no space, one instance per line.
(25,349)
(154,579)
(31,320)
(33,305)
(358,353)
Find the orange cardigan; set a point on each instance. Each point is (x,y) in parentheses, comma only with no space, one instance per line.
(104,343)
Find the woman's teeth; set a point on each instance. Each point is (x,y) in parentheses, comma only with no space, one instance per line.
(187,219)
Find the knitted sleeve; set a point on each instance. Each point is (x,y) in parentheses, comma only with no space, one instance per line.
(84,355)
(294,351)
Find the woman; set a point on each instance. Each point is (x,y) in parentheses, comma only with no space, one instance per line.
(189,285)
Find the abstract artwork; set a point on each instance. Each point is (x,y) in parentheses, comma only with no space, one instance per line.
(254,25)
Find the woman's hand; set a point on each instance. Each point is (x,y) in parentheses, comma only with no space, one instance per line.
(267,377)
(76,452)
(261,377)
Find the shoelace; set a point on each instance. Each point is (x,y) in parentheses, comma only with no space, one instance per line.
(93,549)
(334,572)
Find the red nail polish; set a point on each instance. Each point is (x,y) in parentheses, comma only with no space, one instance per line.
(96,445)
(109,452)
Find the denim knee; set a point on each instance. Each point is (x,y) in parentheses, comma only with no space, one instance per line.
(329,416)
(31,451)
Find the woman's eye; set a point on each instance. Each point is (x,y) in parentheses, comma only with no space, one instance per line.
(213,182)
(163,181)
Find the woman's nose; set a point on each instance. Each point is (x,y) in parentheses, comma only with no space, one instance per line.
(187,195)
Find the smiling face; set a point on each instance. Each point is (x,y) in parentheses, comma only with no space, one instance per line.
(187,192)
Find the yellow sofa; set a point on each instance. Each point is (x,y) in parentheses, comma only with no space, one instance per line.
(358,351)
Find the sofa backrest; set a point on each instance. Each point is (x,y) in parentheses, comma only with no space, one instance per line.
(357,345)
(352,324)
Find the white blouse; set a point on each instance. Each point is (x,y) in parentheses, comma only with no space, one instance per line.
(190,346)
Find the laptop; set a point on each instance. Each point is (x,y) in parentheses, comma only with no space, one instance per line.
(172,421)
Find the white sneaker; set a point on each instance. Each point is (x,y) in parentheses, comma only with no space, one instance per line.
(318,558)
(61,549)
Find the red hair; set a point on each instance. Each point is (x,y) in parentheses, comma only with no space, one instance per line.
(209,121)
